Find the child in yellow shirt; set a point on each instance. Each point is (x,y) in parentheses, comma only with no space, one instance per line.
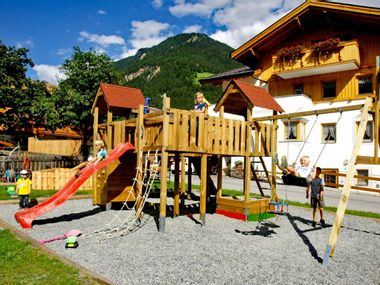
(23,188)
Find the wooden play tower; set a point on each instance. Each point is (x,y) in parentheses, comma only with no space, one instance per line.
(181,133)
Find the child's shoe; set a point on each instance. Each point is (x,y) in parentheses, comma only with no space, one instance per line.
(284,162)
(313,224)
(275,159)
(323,223)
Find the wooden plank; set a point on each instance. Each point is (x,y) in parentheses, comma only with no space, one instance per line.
(330,249)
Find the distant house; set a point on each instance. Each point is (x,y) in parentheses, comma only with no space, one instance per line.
(320,55)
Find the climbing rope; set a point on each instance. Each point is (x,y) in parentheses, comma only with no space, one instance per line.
(119,226)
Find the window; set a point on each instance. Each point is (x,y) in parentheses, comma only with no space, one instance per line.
(294,130)
(330,177)
(329,89)
(362,182)
(368,134)
(329,133)
(365,84)
(298,88)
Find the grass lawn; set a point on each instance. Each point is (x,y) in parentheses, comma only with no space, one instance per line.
(21,263)
(39,193)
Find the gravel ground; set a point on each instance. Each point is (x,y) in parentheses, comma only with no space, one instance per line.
(286,250)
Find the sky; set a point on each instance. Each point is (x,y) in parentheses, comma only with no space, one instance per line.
(51,28)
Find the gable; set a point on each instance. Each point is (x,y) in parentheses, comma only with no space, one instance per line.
(304,19)
(240,96)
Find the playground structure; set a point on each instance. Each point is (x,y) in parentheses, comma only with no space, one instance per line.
(180,133)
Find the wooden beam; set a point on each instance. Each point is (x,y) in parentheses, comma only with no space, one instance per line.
(299,24)
(330,248)
(95,190)
(176,184)
(139,151)
(164,165)
(274,196)
(367,160)
(203,192)
(308,113)
(247,158)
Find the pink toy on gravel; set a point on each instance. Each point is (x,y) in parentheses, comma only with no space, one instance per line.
(66,235)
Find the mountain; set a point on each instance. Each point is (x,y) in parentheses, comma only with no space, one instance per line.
(174,67)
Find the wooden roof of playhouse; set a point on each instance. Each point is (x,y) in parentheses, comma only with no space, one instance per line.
(240,96)
(306,17)
(117,99)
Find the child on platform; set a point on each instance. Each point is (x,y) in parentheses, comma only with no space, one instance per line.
(316,199)
(200,104)
(23,188)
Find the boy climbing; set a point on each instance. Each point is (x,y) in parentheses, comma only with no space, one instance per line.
(316,199)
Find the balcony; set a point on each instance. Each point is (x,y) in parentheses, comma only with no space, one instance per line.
(345,56)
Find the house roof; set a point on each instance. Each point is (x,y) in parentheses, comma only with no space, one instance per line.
(117,98)
(240,96)
(308,15)
(232,73)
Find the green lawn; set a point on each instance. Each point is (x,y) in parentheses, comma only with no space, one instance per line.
(39,193)
(21,263)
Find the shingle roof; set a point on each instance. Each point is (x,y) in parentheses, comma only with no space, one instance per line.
(121,96)
(258,96)
(240,96)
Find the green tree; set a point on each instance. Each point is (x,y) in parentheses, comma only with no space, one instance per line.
(19,95)
(73,99)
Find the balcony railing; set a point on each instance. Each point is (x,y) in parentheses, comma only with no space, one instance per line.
(345,56)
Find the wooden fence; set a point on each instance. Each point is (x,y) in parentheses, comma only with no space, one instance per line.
(58,147)
(55,179)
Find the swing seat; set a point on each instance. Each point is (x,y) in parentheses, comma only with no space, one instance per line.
(279,207)
(294,180)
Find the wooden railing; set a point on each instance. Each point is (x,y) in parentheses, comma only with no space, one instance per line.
(344,52)
(356,187)
(194,132)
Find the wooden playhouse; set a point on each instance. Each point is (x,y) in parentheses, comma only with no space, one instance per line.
(178,134)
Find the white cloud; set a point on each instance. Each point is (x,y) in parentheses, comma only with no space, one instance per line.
(63,51)
(148,33)
(192,29)
(238,20)
(101,40)
(157,4)
(102,12)
(49,73)
(25,44)
(203,8)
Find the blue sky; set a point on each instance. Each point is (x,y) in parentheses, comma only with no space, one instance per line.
(50,28)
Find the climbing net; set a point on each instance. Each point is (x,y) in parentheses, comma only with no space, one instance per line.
(120,225)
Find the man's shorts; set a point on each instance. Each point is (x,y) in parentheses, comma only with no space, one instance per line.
(315,202)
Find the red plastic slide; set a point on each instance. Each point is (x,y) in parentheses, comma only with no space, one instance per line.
(26,217)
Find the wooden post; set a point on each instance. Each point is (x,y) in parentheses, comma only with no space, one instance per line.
(376,117)
(164,164)
(247,161)
(183,181)
(330,248)
(95,190)
(220,178)
(176,184)
(203,194)
(220,158)
(274,196)
(139,152)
